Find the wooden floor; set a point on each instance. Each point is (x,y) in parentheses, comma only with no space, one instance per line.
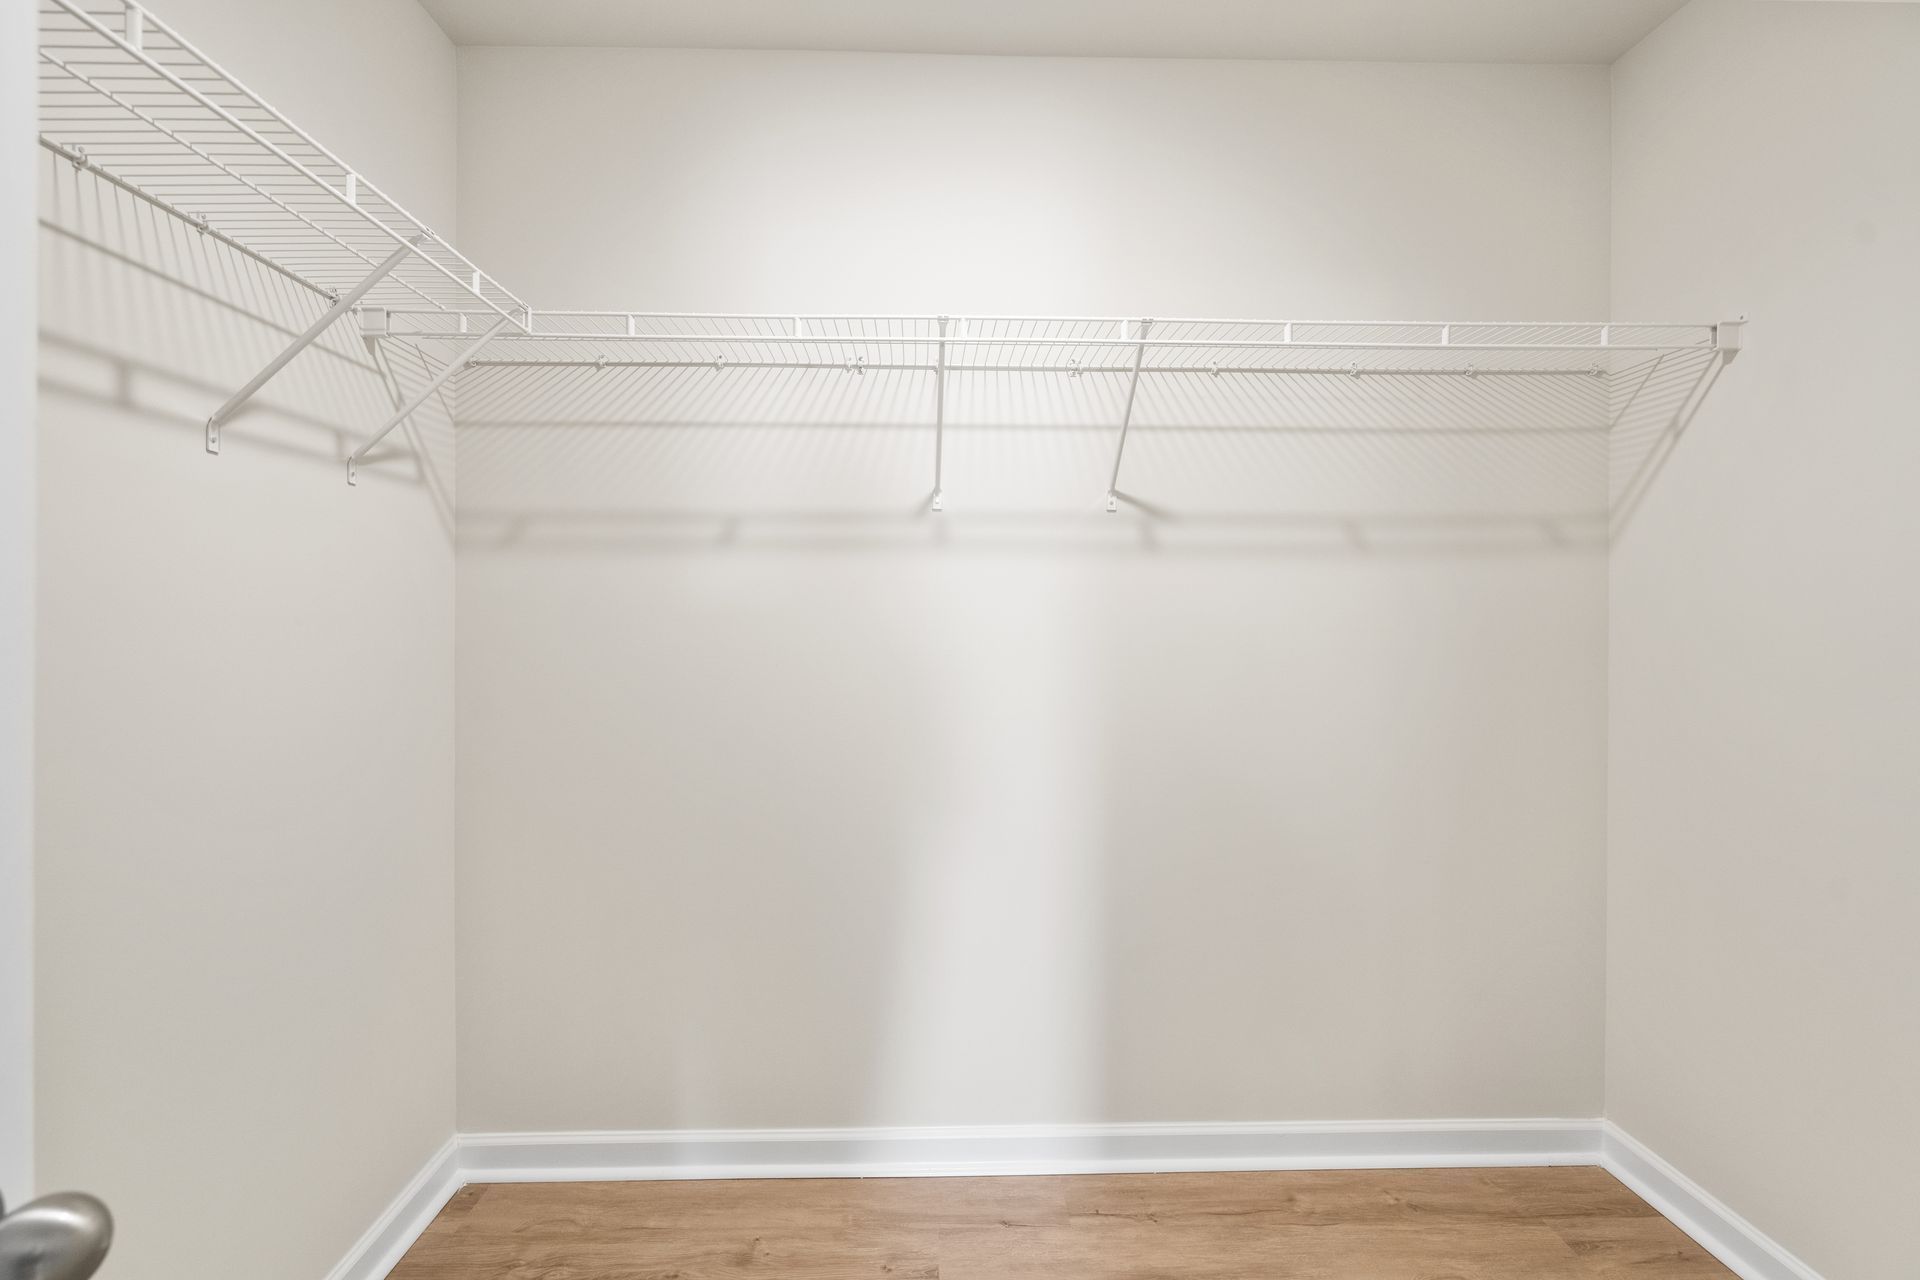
(1425,1224)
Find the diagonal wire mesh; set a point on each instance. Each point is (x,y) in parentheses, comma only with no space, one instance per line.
(128,100)
(123,95)
(1450,420)
(1070,345)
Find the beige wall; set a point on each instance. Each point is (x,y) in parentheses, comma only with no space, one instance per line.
(373,80)
(1763,1013)
(245,708)
(782,804)
(18,158)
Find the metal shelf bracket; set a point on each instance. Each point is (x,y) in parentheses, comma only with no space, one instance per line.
(420,397)
(341,305)
(1728,336)
(939,415)
(1126,418)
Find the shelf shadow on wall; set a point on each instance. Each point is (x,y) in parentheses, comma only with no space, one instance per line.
(142,316)
(809,458)
(1139,528)
(174,400)
(681,459)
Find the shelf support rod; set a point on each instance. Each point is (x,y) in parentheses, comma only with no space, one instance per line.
(341,305)
(406,411)
(1683,413)
(939,415)
(1645,378)
(1126,418)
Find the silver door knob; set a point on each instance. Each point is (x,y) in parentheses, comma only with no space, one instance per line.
(57,1237)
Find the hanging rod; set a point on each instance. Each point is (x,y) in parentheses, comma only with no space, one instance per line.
(1717,343)
(1240,344)
(1343,371)
(801,318)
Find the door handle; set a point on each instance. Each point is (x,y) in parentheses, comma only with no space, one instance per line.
(57,1237)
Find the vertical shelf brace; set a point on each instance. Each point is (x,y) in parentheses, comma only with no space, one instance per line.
(1126,418)
(406,411)
(341,305)
(939,415)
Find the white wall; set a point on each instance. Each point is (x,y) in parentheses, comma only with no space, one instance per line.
(244,741)
(852,182)
(1763,1013)
(784,804)
(17,161)
(374,81)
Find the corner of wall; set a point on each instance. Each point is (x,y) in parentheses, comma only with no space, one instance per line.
(17,520)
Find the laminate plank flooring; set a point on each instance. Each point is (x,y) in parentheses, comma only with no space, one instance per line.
(1416,1224)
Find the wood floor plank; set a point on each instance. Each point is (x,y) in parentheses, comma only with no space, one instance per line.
(1618,1247)
(1566,1191)
(921,1204)
(703,1255)
(444,1232)
(1345,1196)
(1122,1249)
(1419,1224)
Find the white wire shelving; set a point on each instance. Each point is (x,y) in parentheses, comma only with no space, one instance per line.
(1620,361)
(127,99)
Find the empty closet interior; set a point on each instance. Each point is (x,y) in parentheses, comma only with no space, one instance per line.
(663,593)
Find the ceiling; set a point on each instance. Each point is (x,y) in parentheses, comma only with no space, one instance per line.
(1361,30)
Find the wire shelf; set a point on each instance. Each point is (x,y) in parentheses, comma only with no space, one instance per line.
(127,99)
(1061,344)
(125,96)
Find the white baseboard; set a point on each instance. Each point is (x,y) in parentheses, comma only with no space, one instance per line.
(389,1238)
(978,1151)
(1114,1148)
(1042,1149)
(1749,1252)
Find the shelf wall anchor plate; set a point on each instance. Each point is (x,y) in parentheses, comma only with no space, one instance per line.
(1728,336)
